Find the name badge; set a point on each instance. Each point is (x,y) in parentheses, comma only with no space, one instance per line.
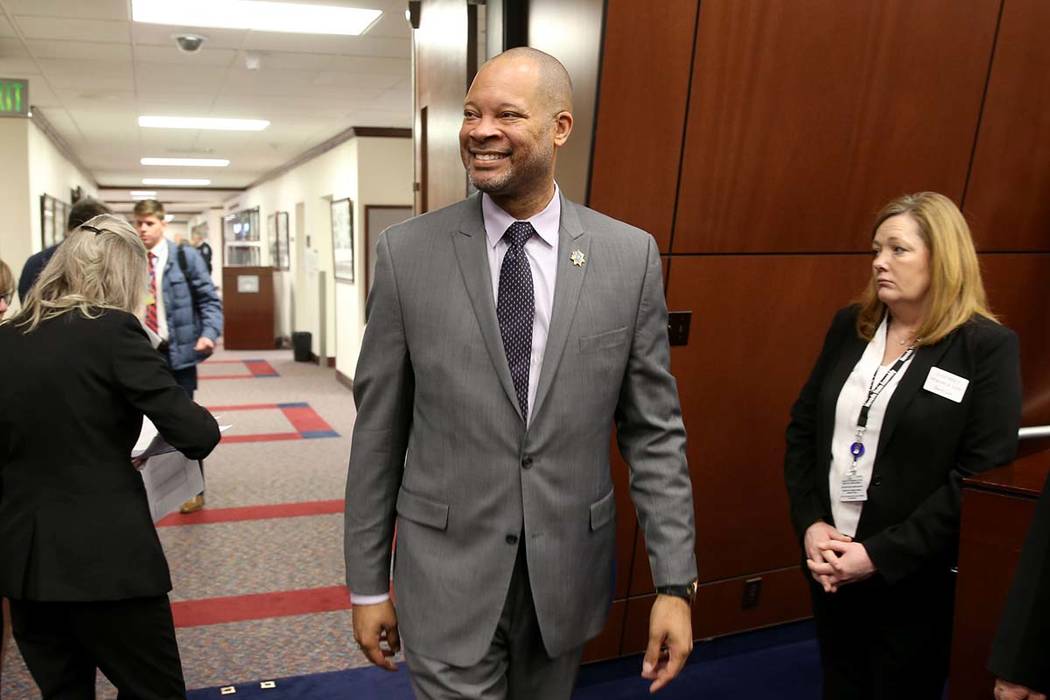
(950,386)
(853,490)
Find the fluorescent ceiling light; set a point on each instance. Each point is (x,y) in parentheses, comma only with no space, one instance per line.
(175,182)
(168,218)
(259,16)
(143,194)
(216,123)
(188,162)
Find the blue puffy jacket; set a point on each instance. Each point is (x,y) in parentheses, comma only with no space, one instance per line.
(189,316)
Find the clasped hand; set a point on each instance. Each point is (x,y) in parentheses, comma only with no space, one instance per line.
(834,559)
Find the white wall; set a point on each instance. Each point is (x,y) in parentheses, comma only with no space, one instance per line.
(33,166)
(369,170)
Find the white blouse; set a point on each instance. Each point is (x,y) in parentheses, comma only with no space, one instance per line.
(853,395)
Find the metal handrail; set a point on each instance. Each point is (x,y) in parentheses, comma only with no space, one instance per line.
(1033,431)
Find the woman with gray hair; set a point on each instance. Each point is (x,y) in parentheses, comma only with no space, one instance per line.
(80,559)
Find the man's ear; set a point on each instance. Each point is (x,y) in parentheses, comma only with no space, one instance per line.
(562,127)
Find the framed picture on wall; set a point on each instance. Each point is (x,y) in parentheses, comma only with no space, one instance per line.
(343,239)
(271,235)
(283,259)
(53,216)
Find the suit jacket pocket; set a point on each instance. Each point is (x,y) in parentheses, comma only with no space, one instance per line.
(422,510)
(602,510)
(602,341)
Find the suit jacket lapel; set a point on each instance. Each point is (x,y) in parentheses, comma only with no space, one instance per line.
(470,244)
(567,286)
(909,385)
(852,349)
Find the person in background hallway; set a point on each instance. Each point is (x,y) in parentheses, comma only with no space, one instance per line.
(81,561)
(200,242)
(506,334)
(84,209)
(874,492)
(1021,651)
(182,306)
(7,291)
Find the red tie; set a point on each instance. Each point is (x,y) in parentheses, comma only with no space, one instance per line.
(151,306)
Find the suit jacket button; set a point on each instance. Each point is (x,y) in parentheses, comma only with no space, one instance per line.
(877,480)
(512,539)
(526,463)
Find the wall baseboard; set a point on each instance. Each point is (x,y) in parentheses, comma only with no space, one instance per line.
(330,361)
(344,380)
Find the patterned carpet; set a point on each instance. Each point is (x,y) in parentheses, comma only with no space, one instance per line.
(258,590)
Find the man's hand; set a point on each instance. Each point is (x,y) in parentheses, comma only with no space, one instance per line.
(817,536)
(374,624)
(205,345)
(849,562)
(1005,690)
(670,626)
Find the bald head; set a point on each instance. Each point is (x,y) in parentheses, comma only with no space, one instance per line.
(553,84)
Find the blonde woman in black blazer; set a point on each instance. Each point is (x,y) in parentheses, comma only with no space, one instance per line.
(80,559)
(875,497)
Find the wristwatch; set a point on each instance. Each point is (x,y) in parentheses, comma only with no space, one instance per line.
(686,592)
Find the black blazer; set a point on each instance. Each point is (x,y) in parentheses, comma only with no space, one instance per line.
(926,446)
(74,520)
(1021,652)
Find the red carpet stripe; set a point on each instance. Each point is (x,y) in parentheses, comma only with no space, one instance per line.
(305,419)
(260,512)
(259,606)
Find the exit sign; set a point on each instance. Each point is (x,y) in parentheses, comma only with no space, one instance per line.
(14,97)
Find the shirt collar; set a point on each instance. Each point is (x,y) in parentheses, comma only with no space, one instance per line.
(547,222)
(161,251)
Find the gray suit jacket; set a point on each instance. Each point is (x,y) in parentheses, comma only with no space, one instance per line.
(440,446)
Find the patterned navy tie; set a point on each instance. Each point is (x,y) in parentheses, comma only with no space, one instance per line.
(516,308)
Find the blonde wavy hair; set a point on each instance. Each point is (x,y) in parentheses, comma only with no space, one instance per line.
(956,292)
(100,265)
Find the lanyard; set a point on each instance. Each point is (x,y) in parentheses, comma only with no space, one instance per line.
(857,448)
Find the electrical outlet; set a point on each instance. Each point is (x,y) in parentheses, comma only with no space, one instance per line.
(752,591)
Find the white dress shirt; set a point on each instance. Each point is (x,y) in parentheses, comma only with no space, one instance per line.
(161,252)
(853,395)
(542,253)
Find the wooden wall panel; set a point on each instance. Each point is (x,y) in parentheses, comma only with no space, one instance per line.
(440,65)
(607,644)
(1008,196)
(758,325)
(641,112)
(1018,287)
(806,116)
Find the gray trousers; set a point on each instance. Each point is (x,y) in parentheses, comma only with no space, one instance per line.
(516,666)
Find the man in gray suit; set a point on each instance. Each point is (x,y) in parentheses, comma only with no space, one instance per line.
(506,335)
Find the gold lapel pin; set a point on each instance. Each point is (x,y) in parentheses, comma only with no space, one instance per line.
(578,258)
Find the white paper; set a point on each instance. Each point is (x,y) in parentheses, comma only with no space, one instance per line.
(171,479)
(950,386)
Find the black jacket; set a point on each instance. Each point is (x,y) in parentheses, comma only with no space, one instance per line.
(926,446)
(74,520)
(1021,652)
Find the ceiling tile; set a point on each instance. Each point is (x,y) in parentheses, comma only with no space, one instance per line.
(401,67)
(11,47)
(212,57)
(5,28)
(339,79)
(170,76)
(323,43)
(41,94)
(93,30)
(79,50)
(281,60)
(94,9)
(163,35)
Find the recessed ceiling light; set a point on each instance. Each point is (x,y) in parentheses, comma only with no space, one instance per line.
(260,16)
(168,218)
(216,123)
(188,162)
(175,182)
